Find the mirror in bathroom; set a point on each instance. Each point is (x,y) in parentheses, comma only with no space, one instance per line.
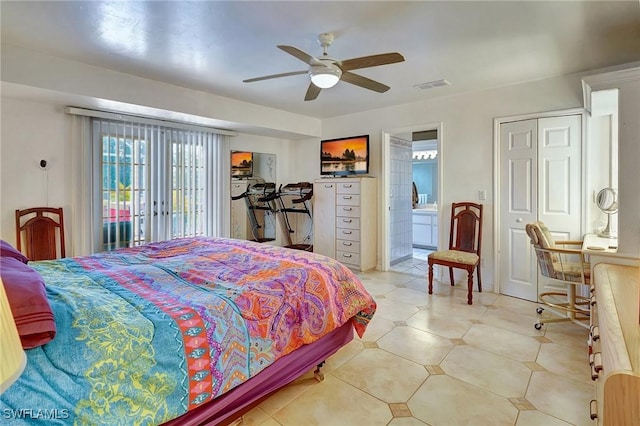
(253,218)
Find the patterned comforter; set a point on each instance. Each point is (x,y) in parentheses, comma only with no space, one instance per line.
(148,333)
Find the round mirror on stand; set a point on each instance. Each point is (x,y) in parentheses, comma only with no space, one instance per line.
(607,201)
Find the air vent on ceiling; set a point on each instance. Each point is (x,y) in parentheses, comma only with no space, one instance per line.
(432,84)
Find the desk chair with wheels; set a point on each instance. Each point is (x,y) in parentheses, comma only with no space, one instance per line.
(41,230)
(567,270)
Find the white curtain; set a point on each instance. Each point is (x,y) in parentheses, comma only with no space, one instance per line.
(87,155)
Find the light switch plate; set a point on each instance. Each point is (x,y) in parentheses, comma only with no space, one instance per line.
(482,194)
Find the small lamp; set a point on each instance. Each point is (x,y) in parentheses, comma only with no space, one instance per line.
(12,357)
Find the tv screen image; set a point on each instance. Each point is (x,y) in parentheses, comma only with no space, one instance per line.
(241,164)
(345,156)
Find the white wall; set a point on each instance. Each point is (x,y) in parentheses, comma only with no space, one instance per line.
(467,140)
(33,131)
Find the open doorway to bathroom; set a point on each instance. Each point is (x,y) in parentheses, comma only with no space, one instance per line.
(422,217)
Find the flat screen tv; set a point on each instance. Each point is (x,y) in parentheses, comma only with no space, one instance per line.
(241,164)
(345,156)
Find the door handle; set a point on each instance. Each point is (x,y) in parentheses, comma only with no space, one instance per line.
(519,220)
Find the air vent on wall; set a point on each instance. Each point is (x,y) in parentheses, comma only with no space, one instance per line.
(432,84)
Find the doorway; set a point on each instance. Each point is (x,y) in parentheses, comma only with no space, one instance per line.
(412,187)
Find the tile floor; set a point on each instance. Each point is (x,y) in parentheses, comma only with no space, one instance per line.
(434,360)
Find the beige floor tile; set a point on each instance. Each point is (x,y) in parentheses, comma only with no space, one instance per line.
(255,417)
(416,345)
(334,402)
(269,422)
(565,361)
(560,397)
(377,328)
(456,307)
(378,288)
(449,327)
(568,334)
(288,393)
(503,342)
(406,421)
(383,375)
(516,322)
(538,418)
(394,311)
(492,372)
(343,355)
(445,401)
(409,296)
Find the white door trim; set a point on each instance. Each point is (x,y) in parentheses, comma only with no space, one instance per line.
(496,173)
(383,241)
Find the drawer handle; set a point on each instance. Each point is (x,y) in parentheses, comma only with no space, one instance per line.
(347,185)
(347,220)
(346,232)
(595,332)
(347,197)
(593,409)
(594,374)
(328,186)
(346,255)
(347,209)
(347,243)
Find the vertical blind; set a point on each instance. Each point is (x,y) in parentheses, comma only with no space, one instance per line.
(157,182)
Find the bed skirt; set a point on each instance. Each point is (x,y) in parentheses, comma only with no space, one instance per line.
(234,403)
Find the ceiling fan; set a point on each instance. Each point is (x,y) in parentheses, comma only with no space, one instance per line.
(325,71)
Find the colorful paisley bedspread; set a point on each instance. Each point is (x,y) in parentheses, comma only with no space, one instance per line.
(148,333)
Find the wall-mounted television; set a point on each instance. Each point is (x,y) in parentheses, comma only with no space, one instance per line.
(345,156)
(241,164)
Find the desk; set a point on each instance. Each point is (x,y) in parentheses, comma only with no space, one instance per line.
(592,244)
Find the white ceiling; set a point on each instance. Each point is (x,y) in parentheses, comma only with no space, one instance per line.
(213,45)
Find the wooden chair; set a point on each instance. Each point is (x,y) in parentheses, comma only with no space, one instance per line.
(42,231)
(566,268)
(465,241)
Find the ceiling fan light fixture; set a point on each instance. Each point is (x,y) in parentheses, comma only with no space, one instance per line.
(325,77)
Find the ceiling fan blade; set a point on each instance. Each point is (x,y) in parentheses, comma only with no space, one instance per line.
(365,82)
(267,77)
(371,61)
(304,57)
(312,92)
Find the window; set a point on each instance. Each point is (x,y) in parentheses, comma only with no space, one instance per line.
(157,182)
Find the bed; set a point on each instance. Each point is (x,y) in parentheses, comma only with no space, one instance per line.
(187,331)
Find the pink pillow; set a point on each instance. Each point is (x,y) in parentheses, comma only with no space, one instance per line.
(7,250)
(29,304)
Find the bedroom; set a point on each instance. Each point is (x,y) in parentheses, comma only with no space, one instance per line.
(37,85)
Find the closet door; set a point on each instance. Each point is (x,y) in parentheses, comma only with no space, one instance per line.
(540,179)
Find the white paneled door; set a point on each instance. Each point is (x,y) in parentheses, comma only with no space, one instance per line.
(540,179)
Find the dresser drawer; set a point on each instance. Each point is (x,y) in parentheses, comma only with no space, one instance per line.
(348,234)
(348,200)
(348,188)
(349,258)
(350,246)
(348,222)
(348,211)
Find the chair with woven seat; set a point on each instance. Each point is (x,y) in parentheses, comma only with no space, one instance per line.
(41,230)
(567,269)
(465,241)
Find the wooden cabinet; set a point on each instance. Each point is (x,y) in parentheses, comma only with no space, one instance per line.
(345,220)
(614,344)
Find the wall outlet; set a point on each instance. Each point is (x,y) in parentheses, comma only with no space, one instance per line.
(482,194)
